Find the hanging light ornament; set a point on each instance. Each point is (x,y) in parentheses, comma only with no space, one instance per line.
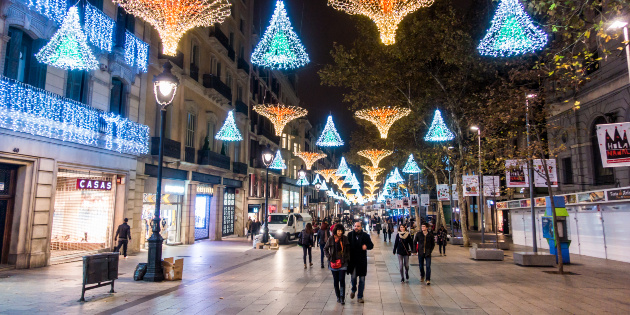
(339,183)
(229,131)
(395,177)
(280,115)
(330,137)
(280,47)
(302,181)
(387,14)
(348,179)
(277,163)
(323,186)
(438,131)
(383,117)
(374,155)
(411,167)
(372,171)
(173,18)
(343,169)
(371,184)
(309,158)
(345,190)
(512,32)
(327,174)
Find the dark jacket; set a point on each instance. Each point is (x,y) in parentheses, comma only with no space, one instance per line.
(306,239)
(390,228)
(441,237)
(358,256)
(424,244)
(333,250)
(322,236)
(402,246)
(123,232)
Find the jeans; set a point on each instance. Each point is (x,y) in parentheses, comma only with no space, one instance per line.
(353,280)
(321,250)
(123,244)
(339,278)
(442,246)
(306,249)
(421,259)
(403,260)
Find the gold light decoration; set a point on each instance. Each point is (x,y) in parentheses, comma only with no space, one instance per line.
(280,115)
(374,155)
(372,184)
(387,14)
(372,171)
(309,158)
(369,196)
(328,174)
(339,182)
(383,117)
(173,18)
(345,190)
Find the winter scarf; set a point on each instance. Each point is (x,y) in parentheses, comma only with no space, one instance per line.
(403,235)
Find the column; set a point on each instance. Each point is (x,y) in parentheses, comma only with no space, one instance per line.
(216,213)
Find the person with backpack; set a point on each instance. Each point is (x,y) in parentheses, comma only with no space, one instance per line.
(322,235)
(402,247)
(424,242)
(338,253)
(306,241)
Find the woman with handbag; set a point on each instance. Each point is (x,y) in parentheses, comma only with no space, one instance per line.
(402,247)
(337,251)
(306,241)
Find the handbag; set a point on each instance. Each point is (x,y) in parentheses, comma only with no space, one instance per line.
(337,263)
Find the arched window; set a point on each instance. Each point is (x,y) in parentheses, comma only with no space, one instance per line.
(20,62)
(601,175)
(118,97)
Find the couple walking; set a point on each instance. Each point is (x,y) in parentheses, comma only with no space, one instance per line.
(423,242)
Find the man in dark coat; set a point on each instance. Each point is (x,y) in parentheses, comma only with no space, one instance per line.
(124,232)
(360,243)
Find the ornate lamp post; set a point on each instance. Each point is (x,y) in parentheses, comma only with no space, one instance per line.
(301,174)
(164,87)
(267,158)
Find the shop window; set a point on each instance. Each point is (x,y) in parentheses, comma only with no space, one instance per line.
(170,215)
(77,85)
(229,199)
(567,171)
(601,175)
(118,97)
(20,63)
(202,216)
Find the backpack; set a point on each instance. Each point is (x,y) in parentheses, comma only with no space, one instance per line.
(141,270)
(299,239)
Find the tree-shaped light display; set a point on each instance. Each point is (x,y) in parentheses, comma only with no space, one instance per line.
(280,115)
(280,48)
(512,32)
(411,167)
(339,183)
(229,131)
(438,131)
(343,169)
(395,177)
(348,179)
(383,117)
(372,171)
(330,137)
(68,48)
(387,14)
(277,163)
(302,181)
(356,187)
(345,190)
(309,158)
(323,186)
(327,174)
(375,156)
(372,185)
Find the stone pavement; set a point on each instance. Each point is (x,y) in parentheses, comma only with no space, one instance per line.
(230,278)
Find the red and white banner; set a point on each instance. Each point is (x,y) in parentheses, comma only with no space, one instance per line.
(614,148)
(516,173)
(471,185)
(539,173)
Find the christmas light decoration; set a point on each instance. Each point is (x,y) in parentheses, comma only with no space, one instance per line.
(345,190)
(381,198)
(136,52)
(395,177)
(387,14)
(68,48)
(173,18)
(375,156)
(316,179)
(356,186)
(330,137)
(280,47)
(411,167)
(24,108)
(302,181)
(99,28)
(229,131)
(511,32)
(323,186)
(372,171)
(280,115)
(277,163)
(339,183)
(53,9)
(343,169)
(309,158)
(372,184)
(438,131)
(327,174)
(348,178)
(353,180)
(330,193)
(383,117)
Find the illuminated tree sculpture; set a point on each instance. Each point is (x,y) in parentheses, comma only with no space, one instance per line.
(280,115)
(387,14)
(302,181)
(411,167)
(339,183)
(372,185)
(438,131)
(173,18)
(309,158)
(348,179)
(229,131)
(375,156)
(395,177)
(372,171)
(330,137)
(343,169)
(512,32)
(327,174)
(383,117)
(323,186)
(277,163)
(280,47)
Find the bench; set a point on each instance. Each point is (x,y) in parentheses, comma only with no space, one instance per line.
(486,253)
(457,241)
(501,245)
(534,259)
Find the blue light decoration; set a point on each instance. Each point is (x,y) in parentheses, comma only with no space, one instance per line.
(395,177)
(52,9)
(329,137)
(277,163)
(348,178)
(512,32)
(343,169)
(98,27)
(381,198)
(356,187)
(136,52)
(330,192)
(280,47)
(316,179)
(24,108)
(229,131)
(302,181)
(438,131)
(411,167)
(323,186)
(353,180)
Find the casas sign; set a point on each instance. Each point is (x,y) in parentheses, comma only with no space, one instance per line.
(93,184)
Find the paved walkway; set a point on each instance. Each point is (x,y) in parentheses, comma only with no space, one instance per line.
(230,278)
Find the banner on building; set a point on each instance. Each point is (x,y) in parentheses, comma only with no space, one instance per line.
(539,173)
(516,173)
(614,148)
(443,193)
(471,185)
(424,200)
(491,186)
(414,200)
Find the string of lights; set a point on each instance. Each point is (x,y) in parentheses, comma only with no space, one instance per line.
(136,52)
(411,167)
(327,174)
(229,131)
(302,181)
(438,131)
(309,158)
(371,171)
(329,137)
(98,27)
(278,162)
(343,169)
(280,115)
(383,117)
(374,155)
(52,9)
(395,177)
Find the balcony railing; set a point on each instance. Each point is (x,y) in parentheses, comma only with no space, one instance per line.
(177,60)
(207,157)
(25,108)
(213,82)
(241,107)
(172,148)
(239,168)
(243,65)
(189,155)
(194,72)
(216,32)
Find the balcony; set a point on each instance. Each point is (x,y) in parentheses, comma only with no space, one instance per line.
(172,148)
(231,54)
(211,81)
(207,157)
(194,72)
(189,155)
(243,65)
(241,108)
(239,168)
(27,109)
(177,60)
(216,32)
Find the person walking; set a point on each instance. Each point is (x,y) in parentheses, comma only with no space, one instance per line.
(390,230)
(322,235)
(306,240)
(360,243)
(442,239)
(124,232)
(248,227)
(402,248)
(424,242)
(338,254)
(255,227)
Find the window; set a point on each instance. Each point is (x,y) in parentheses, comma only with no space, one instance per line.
(218,73)
(190,130)
(210,136)
(20,62)
(237,151)
(76,86)
(118,97)
(124,22)
(601,175)
(242,26)
(567,170)
(228,80)
(284,140)
(242,52)
(232,38)
(194,62)
(239,93)
(295,171)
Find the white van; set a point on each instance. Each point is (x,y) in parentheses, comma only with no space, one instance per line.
(286,226)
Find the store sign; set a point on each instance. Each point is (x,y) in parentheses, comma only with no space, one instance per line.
(93,184)
(174,189)
(618,194)
(205,190)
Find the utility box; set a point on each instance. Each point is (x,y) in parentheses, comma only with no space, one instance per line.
(562,226)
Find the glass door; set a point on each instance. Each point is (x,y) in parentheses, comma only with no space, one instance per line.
(228,211)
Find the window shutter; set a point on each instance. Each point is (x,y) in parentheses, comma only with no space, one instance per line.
(37,71)
(12,59)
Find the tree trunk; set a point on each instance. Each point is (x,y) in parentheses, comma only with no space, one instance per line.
(554,218)
(463,213)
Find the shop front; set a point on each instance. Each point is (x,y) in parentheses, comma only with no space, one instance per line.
(170,209)
(202,211)
(290,198)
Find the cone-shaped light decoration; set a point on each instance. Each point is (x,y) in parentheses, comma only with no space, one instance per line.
(327,174)
(309,158)
(280,115)
(277,163)
(372,171)
(316,179)
(395,177)
(348,179)
(375,156)
(411,167)
(383,117)
(302,181)
(229,131)
(330,137)
(438,131)
(343,169)
(323,187)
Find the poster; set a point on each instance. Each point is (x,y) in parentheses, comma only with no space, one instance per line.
(614,148)
(491,186)
(539,173)
(388,203)
(443,193)
(405,202)
(414,200)
(454,190)
(471,185)
(424,200)
(516,173)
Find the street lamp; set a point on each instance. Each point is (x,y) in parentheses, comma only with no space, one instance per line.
(164,87)
(623,24)
(267,158)
(481,205)
(530,172)
(301,174)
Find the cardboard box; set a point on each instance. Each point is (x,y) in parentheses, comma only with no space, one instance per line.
(173,269)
